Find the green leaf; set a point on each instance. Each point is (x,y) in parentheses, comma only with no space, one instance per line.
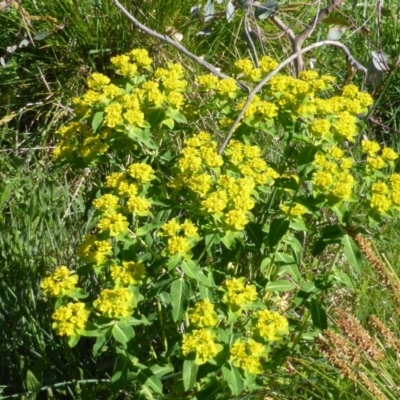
(277,230)
(306,157)
(176,115)
(192,270)
(280,286)
(330,234)
(189,374)
(292,270)
(180,293)
(122,332)
(235,382)
(161,370)
(73,340)
(264,10)
(169,122)
(77,293)
(352,253)
(147,378)
(98,345)
(32,384)
(91,330)
(97,120)
(318,314)
(6,194)
(144,394)
(144,230)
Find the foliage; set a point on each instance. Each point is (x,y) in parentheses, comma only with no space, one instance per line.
(190,250)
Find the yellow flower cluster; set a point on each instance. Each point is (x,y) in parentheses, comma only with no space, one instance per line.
(113,223)
(69,319)
(203,315)
(179,244)
(248,159)
(130,273)
(115,303)
(62,281)
(143,173)
(202,341)
(95,251)
(125,107)
(237,294)
(384,197)
(332,177)
(224,86)
(271,326)
(246,354)
(296,210)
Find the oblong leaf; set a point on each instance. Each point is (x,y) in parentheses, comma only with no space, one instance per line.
(180,293)
(352,253)
(280,286)
(189,374)
(277,230)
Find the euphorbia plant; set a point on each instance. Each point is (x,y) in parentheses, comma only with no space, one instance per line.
(193,272)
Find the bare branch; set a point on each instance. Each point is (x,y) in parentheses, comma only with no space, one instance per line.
(176,45)
(280,24)
(350,59)
(297,41)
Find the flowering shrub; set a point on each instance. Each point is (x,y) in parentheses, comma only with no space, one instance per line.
(194,272)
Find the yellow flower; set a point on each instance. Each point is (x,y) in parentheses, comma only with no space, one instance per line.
(113,115)
(350,91)
(215,202)
(96,81)
(336,153)
(69,319)
(200,184)
(236,219)
(380,187)
(106,202)
(296,211)
(208,81)
(113,180)
(247,354)
(141,172)
(189,229)
(116,223)
(267,64)
(116,303)
(60,282)
(227,86)
(170,228)
(94,251)
(131,273)
(370,147)
(178,245)
(203,314)
(389,154)
(271,325)
(380,203)
(138,205)
(202,342)
(375,162)
(141,56)
(238,294)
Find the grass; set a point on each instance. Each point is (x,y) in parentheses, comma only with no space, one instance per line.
(41,204)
